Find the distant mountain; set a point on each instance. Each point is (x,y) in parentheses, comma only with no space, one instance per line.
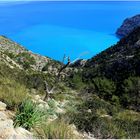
(122,56)
(128,26)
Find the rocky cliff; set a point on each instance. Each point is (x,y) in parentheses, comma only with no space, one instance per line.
(128,26)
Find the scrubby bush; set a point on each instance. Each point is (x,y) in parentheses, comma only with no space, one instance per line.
(104,87)
(45,68)
(76,81)
(104,120)
(11,55)
(131,87)
(25,59)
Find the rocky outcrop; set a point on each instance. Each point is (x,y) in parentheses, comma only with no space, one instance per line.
(128,26)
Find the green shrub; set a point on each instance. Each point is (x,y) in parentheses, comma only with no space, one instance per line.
(76,81)
(29,115)
(11,55)
(45,68)
(104,120)
(104,87)
(131,87)
(115,100)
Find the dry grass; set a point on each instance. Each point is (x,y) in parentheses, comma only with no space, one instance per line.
(58,129)
(12,93)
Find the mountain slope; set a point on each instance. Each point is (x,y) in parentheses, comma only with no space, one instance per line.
(124,55)
(128,26)
(114,74)
(109,85)
(26,59)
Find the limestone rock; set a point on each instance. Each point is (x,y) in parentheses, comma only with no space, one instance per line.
(59,110)
(2,106)
(3,116)
(37,97)
(6,129)
(21,133)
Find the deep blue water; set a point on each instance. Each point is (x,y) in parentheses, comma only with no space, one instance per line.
(77,29)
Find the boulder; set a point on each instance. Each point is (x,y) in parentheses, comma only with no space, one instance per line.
(3,116)
(21,133)
(59,110)
(2,106)
(6,129)
(37,97)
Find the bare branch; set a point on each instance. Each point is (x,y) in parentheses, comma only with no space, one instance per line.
(64,67)
(48,92)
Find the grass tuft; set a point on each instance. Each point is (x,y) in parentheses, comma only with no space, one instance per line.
(58,129)
(29,115)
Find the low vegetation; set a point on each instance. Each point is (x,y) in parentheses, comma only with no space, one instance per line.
(105,120)
(12,93)
(29,115)
(58,129)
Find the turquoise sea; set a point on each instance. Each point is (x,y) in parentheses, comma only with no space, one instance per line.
(78,29)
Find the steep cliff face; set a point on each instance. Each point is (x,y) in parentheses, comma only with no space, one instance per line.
(128,26)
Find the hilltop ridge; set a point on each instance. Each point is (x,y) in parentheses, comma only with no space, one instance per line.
(128,26)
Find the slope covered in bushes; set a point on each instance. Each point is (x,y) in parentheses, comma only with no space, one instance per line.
(114,74)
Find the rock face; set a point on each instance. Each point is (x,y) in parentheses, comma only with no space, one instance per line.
(128,26)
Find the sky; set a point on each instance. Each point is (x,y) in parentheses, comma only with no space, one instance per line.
(64,0)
